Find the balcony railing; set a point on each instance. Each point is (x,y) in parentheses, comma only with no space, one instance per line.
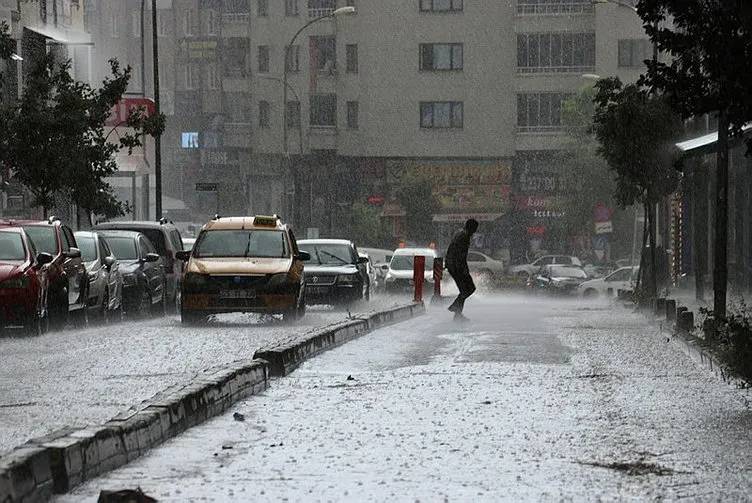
(540,129)
(555,69)
(553,8)
(235,17)
(320,12)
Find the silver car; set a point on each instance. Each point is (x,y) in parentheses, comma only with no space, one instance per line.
(105,280)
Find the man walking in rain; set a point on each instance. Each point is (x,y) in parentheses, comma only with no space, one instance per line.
(456,264)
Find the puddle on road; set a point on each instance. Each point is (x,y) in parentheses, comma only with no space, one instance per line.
(634,468)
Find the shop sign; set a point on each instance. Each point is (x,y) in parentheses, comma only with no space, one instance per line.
(537,230)
(200,49)
(376,200)
(463,217)
(602,213)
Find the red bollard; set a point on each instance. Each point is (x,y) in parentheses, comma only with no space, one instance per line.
(438,275)
(419,271)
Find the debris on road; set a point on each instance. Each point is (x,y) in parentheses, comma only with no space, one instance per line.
(238,417)
(125,496)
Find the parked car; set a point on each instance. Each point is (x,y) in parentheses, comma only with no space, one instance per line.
(105,280)
(399,278)
(380,259)
(142,271)
(528,270)
(245,265)
(623,278)
(558,279)
(335,273)
(483,266)
(68,281)
(370,271)
(24,282)
(166,239)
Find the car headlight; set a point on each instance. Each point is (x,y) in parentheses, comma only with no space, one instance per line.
(17,282)
(195,279)
(130,279)
(278,279)
(348,279)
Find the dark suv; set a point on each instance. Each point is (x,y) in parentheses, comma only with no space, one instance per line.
(166,239)
(69,283)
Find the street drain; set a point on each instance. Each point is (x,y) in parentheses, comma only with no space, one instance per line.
(635,468)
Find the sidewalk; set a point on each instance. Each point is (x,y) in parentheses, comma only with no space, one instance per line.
(534,400)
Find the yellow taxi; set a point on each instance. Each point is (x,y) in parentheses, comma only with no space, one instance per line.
(243,264)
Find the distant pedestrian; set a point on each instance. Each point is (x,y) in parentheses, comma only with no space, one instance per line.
(456,264)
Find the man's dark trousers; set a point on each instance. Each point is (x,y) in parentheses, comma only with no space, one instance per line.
(465,285)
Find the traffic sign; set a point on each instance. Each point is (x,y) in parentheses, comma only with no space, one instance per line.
(123,109)
(207,187)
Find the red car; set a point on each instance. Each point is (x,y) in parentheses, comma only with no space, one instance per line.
(69,283)
(23,282)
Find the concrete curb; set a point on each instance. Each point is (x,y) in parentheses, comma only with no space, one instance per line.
(285,357)
(56,463)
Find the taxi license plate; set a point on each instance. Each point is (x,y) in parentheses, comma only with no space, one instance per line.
(237,294)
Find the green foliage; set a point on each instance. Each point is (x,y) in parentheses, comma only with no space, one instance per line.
(55,139)
(368,228)
(415,195)
(731,336)
(709,44)
(636,132)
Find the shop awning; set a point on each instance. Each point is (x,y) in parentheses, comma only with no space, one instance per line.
(462,217)
(705,144)
(62,36)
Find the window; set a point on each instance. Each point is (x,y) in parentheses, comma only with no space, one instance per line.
(633,52)
(262,8)
(292,58)
(188,22)
(189,140)
(263,114)
(441,115)
(533,7)
(318,8)
(136,24)
(211,22)
(352,114)
(191,76)
(441,56)
(555,52)
(263,59)
(351,55)
(440,5)
(163,26)
(293,114)
(234,57)
(292,8)
(114,25)
(324,54)
(540,112)
(212,79)
(323,110)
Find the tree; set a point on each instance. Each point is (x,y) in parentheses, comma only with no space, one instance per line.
(636,131)
(710,47)
(415,195)
(368,227)
(54,139)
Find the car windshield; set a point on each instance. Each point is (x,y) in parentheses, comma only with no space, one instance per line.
(88,248)
(11,246)
(123,248)
(43,237)
(567,272)
(405,263)
(328,254)
(241,243)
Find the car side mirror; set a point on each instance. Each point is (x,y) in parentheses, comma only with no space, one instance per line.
(304,256)
(43,258)
(384,267)
(109,262)
(73,253)
(363,260)
(183,255)
(152,257)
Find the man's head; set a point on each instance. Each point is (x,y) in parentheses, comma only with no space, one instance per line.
(471,226)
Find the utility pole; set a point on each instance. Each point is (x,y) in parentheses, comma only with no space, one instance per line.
(158,137)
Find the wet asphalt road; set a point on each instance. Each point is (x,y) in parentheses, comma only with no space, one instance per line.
(533,400)
(77,378)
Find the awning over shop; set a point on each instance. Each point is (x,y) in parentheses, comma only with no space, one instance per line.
(65,37)
(705,144)
(462,217)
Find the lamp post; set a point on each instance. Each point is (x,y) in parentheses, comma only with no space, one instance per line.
(286,154)
(158,137)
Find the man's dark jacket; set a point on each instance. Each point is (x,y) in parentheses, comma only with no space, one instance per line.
(456,255)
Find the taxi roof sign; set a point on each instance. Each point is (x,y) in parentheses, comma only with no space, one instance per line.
(265,220)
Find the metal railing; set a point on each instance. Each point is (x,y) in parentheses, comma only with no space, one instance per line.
(557,8)
(320,12)
(540,129)
(555,69)
(235,17)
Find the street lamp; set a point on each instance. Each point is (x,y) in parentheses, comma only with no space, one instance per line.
(342,11)
(158,136)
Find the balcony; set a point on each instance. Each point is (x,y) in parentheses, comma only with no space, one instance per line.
(553,7)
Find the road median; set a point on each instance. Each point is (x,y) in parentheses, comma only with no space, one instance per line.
(56,463)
